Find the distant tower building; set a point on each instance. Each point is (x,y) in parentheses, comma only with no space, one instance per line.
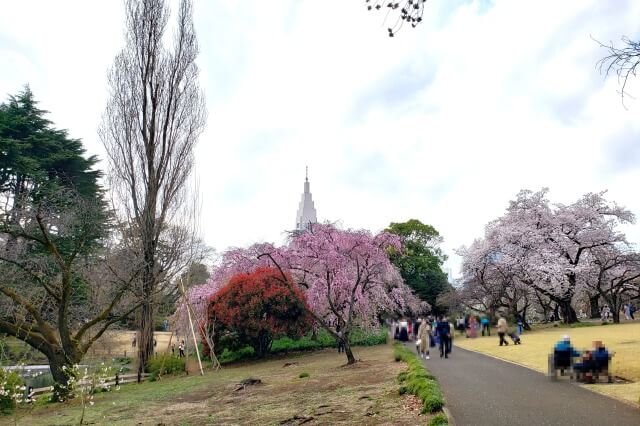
(306,211)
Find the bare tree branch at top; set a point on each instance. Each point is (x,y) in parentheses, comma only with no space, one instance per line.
(153,119)
(405,11)
(621,61)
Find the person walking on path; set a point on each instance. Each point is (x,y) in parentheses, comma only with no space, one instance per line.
(519,323)
(484,321)
(452,334)
(423,335)
(460,325)
(473,327)
(443,331)
(181,349)
(404,331)
(626,309)
(502,330)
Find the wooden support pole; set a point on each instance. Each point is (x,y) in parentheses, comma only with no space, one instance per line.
(193,333)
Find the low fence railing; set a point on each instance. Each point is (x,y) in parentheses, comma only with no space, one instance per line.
(118,379)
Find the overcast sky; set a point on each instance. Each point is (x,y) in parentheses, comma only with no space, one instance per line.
(444,123)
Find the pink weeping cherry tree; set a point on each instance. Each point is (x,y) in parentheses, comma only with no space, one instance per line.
(347,278)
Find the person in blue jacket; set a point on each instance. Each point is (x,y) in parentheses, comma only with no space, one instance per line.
(443,331)
(564,345)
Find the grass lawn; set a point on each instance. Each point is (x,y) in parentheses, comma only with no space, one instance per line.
(317,389)
(623,339)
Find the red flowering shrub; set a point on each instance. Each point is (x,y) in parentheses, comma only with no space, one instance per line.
(255,308)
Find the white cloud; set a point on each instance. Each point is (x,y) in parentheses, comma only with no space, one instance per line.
(444,123)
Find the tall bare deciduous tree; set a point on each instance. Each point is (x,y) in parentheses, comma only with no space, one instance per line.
(154,116)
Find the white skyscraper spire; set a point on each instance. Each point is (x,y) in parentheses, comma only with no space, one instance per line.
(306,210)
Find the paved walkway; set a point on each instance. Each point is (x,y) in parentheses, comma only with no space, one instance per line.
(481,390)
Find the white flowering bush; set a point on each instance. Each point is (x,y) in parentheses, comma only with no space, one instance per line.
(12,391)
(84,383)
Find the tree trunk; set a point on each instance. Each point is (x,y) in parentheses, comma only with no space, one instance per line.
(614,304)
(492,315)
(556,312)
(61,370)
(545,312)
(525,323)
(594,308)
(262,344)
(568,313)
(347,350)
(145,344)
(615,313)
(145,327)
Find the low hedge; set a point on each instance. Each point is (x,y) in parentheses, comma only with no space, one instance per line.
(419,382)
(323,339)
(307,343)
(168,363)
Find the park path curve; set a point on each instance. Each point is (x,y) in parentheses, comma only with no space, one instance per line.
(481,390)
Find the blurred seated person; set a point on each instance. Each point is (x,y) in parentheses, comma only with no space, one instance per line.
(601,358)
(563,354)
(585,368)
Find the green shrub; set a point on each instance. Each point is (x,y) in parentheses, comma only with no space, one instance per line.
(323,339)
(228,356)
(10,384)
(167,363)
(418,381)
(303,375)
(439,420)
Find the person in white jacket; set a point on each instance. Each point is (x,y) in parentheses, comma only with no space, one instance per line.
(423,335)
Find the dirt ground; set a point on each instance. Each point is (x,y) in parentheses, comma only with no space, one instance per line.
(332,393)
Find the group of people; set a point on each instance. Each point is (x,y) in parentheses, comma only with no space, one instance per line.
(605,314)
(469,325)
(427,333)
(629,309)
(503,330)
(591,363)
(181,347)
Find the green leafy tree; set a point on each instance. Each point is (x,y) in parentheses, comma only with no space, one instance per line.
(420,261)
(37,160)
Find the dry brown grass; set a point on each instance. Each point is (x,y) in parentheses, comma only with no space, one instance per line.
(118,343)
(363,394)
(623,339)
